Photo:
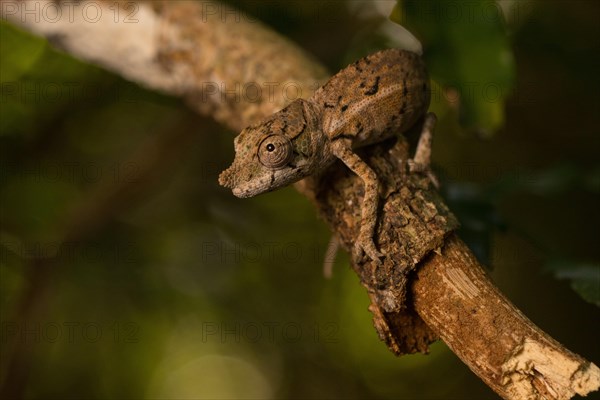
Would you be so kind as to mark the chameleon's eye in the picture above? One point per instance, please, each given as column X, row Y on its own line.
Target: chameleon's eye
column 275, row 151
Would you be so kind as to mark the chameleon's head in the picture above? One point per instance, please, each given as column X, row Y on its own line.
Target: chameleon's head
column 276, row 152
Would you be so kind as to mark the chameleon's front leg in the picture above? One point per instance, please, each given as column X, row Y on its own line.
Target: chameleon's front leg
column 343, row 151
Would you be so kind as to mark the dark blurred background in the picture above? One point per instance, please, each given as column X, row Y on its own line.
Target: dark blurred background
column 127, row 272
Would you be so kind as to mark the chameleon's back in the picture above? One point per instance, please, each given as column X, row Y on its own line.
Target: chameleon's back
column 376, row 97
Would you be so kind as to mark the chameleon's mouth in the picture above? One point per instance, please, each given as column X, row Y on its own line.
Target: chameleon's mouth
column 252, row 187
column 251, row 180
column 241, row 193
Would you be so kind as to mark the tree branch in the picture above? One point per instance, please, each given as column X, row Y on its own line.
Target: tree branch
column 430, row 284
column 204, row 52
column 514, row 357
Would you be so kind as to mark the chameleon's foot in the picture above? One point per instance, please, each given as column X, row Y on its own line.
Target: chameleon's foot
column 365, row 245
column 416, row 167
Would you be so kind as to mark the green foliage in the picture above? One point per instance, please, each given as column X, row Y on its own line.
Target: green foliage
column 20, row 52
column 467, row 49
column 476, row 206
column 39, row 83
column 552, row 182
column 178, row 274
column 478, row 216
column 584, row 277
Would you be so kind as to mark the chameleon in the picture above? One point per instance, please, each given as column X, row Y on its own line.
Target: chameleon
column 376, row 97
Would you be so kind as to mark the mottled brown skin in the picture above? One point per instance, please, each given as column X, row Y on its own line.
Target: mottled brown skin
column 376, row 97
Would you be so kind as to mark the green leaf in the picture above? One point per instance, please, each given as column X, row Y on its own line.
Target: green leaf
column 467, row 50
column 19, row 51
column 554, row 180
column 584, row 277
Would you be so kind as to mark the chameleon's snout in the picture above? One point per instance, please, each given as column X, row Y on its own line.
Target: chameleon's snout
column 226, row 178
column 248, row 180
column 232, row 178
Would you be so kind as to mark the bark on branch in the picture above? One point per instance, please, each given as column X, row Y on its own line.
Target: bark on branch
column 204, row 53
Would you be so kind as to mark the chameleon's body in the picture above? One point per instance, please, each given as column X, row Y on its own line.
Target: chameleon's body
column 376, row 97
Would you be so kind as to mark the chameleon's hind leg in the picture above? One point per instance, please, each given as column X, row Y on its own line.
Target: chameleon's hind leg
column 364, row 242
column 421, row 162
